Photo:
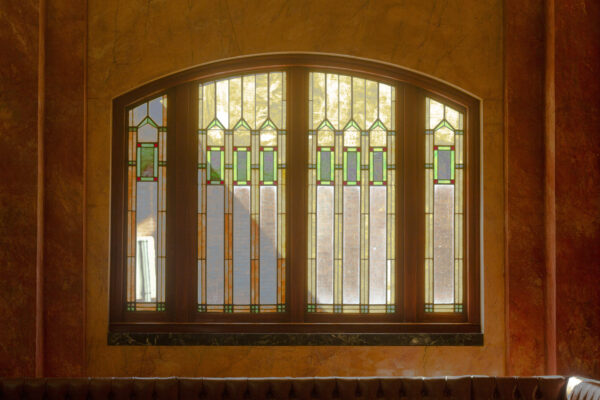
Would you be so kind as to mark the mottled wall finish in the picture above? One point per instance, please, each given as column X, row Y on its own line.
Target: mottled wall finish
column 524, row 170
column 577, row 66
column 64, row 133
column 18, row 146
column 133, row 42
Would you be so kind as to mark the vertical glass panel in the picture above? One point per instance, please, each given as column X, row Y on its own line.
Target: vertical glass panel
column 444, row 216
column 377, row 241
column 443, row 249
column 146, row 206
column 241, row 189
column 241, row 245
column 351, row 213
column 268, row 245
column 351, row 283
column 215, row 245
column 325, row 245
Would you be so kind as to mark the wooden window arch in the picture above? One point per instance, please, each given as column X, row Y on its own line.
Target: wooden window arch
column 424, row 160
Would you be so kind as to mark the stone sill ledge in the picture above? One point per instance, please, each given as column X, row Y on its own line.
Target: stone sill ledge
column 294, row 339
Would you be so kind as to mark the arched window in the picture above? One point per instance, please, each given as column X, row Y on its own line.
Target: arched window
column 294, row 194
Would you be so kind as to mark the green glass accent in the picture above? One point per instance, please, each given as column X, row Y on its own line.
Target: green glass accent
column 228, row 308
column 325, row 172
column 364, row 308
column 201, row 165
column 351, row 158
column 428, row 307
column 378, row 124
column 148, row 161
column 372, row 166
column 215, row 122
column 458, row 308
column 311, row 308
column 280, row 307
column 443, row 123
column 131, row 163
column 351, row 124
column 390, row 308
column 162, row 163
column 241, row 124
column 337, row 308
column 325, row 124
column 149, row 121
column 267, row 123
column 241, row 173
column 161, row 307
column 217, row 172
column 268, row 168
column 435, row 164
column 254, row 308
column 130, row 306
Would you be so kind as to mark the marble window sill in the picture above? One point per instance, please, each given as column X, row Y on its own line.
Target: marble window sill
column 294, row 339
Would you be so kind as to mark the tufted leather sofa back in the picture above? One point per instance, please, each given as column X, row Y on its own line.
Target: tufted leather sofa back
column 443, row 388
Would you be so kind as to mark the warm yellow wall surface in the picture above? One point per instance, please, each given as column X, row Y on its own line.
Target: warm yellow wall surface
column 133, row 41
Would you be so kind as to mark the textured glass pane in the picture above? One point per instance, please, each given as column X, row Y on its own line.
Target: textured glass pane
column 241, row 245
column 325, row 244
column 215, row 248
column 358, row 102
column 351, row 282
column 268, row 245
column 377, row 251
column 435, row 113
column 146, row 234
column 385, row 105
column 345, row 100
column 245, row 256
column 318, row 92
column 453, row 117
column 371, row 103
column 147, row 133
column 333, row 100
column 325, row 137
column 352, row 137
column 443, row 239
column 139, row 113
column 444, row 136
column 378, row 137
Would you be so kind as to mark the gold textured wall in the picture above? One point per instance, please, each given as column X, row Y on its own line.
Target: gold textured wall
column 132, row 42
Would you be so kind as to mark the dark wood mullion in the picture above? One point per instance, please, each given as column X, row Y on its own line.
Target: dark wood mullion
column 297, row 182
column 118, row 253
column 182, row 232
column 412, row 226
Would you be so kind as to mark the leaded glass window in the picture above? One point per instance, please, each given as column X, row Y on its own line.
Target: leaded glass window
column 351, row 204
column 146, row 206
column 241, row 194
column 444, row 215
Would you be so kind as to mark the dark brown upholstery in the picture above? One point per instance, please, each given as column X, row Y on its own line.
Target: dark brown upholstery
column 447, row 388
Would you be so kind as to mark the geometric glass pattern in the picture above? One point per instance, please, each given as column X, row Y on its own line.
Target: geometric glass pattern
column 444, row 205
column 146, row 206
column 351, row 195
column 241, row 194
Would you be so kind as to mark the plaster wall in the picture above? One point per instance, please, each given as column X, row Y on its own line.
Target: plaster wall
column 133, row 42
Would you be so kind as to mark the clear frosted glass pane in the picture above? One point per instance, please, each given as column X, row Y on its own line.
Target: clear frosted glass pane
column 333, row 100
column 351, row 281
column 377, row 245
column 146, row 234
column 215, row 249
column 262, row 98
column 268, row 137
column 345, row 100
column 268, row 245
column 372, row 102
column 223, row 102
column 443, row 248
column 435, row 113
column 156, row 110
column 444, row 136
column 352, row 137
column 385, row 105
column 358, row 102
column 241, row 137
column 208, row 104
column 453, row 117
column 139, row 113
column 325, row 137
column 235, row 101
column 147, row 133
column 249, row 100
column 241, row 245
column 275, row 98
column 325, row 244
column 216, row 137
column 318, row 90
column 378, row 137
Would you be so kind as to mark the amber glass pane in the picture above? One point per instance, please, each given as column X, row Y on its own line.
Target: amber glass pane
column 351, row 175
column 241, row 194
column 444, row 212
column 146, row 206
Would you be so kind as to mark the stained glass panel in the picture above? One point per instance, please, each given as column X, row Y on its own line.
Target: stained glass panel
column 241, row 194
column 351, row 196
column 146, row 206
column 444, row 212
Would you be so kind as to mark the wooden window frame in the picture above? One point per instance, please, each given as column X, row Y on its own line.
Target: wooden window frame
column 181, row 302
